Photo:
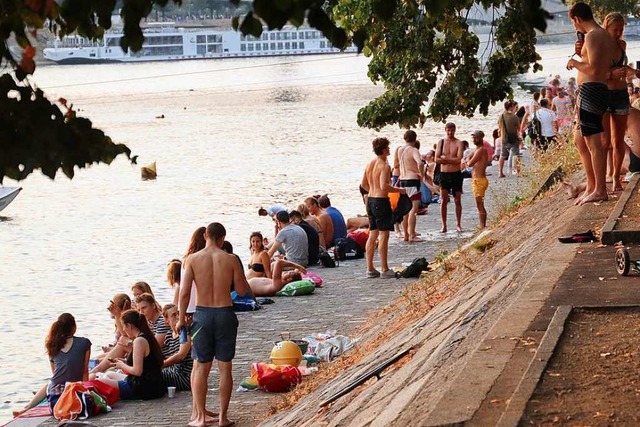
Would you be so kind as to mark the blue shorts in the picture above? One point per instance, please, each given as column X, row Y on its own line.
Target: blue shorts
column 213, row 334
column 126, row 392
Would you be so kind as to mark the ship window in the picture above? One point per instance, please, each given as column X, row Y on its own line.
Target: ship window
column 301, row 35
column 294, row 36
column 279, row 45
column 294, row 45
column 287, row 36
column 309, row 35
column 214, row 48
column 273, row 46
column 265, row 46
column 323, row 45
column 201, row 39
column 272, row 36
column 243, row 47
column 250, row 47
column 287, row 45
column 258, row 46
column 301, row 45
column 202, row 49
column 265, row 36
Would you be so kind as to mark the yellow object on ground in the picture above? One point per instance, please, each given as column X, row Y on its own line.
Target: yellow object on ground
column 286, row 353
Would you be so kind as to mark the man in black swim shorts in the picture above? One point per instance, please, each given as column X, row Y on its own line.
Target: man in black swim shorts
column 449, row 154
column 377, row 182
column 214, row 328
column 597, row 55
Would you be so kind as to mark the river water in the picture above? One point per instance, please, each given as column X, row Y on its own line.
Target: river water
column 236, row 135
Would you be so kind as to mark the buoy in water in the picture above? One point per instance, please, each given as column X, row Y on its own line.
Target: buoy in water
column 149, row 171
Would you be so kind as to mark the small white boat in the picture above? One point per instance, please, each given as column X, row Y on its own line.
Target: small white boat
column 7, row 194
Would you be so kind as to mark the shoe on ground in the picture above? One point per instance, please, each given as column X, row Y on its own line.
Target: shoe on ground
column 373, row 274
column 389, row 274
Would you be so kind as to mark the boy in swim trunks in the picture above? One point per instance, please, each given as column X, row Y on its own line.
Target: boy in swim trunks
column 407, row 160
column 449, row 156
column 215, row 326
column 478, row 161
column 597, row 55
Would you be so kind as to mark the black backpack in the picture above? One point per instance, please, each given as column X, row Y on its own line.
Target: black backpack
column 347, row 248
column 326, row 259
column 416, row 267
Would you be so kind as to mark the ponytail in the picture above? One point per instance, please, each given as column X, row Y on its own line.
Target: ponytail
column 60, row 330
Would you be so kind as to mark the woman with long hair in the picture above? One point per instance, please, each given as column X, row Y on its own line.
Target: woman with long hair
column 69, row 358
column 174, row 273
column 265, row 287
column 147, row 305
column 196, row 244
column 143, row 366
column 260, row 263
column 177, row 367
column 615, row 119
column 119, row 304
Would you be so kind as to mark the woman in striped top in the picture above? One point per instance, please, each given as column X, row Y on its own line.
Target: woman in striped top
column 176, row 370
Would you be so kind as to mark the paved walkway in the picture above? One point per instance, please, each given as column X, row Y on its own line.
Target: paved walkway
column 344, row 302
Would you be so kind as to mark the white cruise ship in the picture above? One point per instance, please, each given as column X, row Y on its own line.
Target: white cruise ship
column 173, row 44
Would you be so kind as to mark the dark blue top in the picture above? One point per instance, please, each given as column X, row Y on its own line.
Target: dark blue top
column 339, row 225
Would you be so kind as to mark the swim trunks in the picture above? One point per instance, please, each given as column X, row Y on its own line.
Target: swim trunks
column 411, row 183
column 451, row 181
column 213, row 334
column 593, row 99
column 479, row 186
column 379, row 213
column 619, row 102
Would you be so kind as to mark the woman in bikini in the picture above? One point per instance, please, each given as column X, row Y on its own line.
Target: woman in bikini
column 615, row 119
column 265, row 287
column 260, row 264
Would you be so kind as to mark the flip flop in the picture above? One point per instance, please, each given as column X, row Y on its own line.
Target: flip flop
column 587, row 236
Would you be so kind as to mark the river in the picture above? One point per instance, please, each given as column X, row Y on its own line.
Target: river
column 235, row 135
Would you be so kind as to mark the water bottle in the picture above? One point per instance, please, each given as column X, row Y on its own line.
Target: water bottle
column 183, row 335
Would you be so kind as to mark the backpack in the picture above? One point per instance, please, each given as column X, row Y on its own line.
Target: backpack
column 74, row 403
column 416, row 267
column 534, row 128
column 347, row 248
column 326, row 259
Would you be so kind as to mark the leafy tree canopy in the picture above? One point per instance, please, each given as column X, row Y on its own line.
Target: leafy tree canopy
column 421, row 51
column 601, row 8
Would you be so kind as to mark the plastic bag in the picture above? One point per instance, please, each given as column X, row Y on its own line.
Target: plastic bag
column 276, row 379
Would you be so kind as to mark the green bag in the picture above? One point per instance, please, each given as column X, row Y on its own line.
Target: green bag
column 300, row 287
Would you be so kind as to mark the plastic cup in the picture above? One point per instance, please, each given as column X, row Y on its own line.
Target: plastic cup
column 171, row 392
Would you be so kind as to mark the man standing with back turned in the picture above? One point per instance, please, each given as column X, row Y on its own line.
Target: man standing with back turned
column 215, row 325
column 593, row 96
column 377, row 182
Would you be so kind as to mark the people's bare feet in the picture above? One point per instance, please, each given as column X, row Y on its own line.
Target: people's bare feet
column 594, row 197
column 197, row 423
column 502, row 175
column 572, row 192
column 443, row 230
column 618, row 186
column 399, row 234
column 226, row 423
column 459, row 228
column 609, row 179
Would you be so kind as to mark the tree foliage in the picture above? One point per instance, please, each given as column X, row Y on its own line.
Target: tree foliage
column 601, row 8
column 421, row 51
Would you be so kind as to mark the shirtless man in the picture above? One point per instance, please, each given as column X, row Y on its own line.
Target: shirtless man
column 407, row 161
column 215, row 325
column 449, row 155
column 597, row 56
column 323, row 218
column 377, row 182
column 478, row 161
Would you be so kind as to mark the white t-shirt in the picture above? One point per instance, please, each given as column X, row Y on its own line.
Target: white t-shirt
column 547, row 117
column 191, row 308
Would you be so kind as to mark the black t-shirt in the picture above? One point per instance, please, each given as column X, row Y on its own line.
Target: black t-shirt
column 314, row 242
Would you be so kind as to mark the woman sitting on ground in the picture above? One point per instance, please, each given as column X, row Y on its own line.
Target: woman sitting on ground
column 176, row 371
column 147, row 306
column 174, row 272
column 118, row 305
column 69, row 358
column 143, row 366
column 265, row 287
column 260, row 263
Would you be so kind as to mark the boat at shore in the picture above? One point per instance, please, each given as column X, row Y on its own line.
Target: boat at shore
column 170, row 43
column 7, row 194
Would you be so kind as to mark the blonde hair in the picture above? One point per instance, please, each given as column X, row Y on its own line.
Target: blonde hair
column 612, row 18
column 142, row 286
column 173, row 272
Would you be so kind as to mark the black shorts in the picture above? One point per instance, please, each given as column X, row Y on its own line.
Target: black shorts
column 380, row 214
column 592, row 103
column 213, row 334
column 542, row 143
column 619, row 102
column 451, row 181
